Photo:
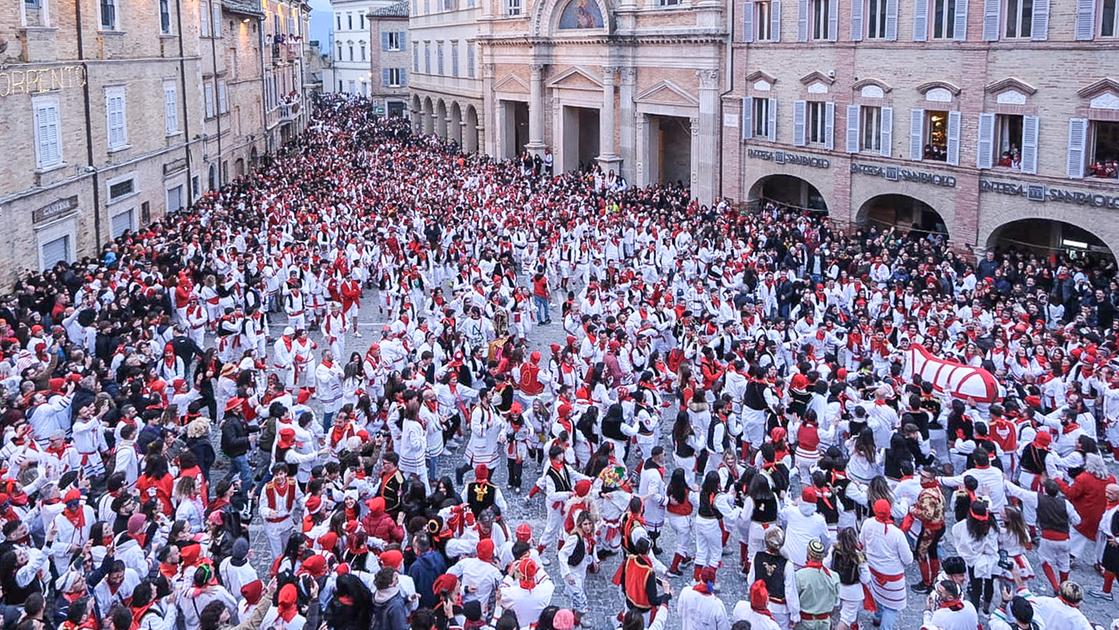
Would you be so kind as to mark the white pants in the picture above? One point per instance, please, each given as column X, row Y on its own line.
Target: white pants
column 1055, row 553
column 708, row 542
column 682, row 529
column 278, row 534
column 553, row 528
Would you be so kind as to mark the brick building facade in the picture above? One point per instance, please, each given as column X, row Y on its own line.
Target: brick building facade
column 392, row 55
column 118, row 113
column 995, row 121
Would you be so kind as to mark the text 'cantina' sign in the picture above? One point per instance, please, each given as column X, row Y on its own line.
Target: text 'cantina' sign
column 37, row 81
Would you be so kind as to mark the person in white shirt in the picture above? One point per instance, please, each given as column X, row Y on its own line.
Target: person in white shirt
column 699, row 608
column 756, row 609
column 479, row 575
column 887, row 555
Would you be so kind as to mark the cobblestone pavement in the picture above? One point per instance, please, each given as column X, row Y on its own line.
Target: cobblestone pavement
column 604, row 597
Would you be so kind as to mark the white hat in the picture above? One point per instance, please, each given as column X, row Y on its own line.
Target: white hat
column 289, row 331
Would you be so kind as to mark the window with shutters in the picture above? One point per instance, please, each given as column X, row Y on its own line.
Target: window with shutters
column 816, row 123
column 448, row 5
column 760, row 120
column 339, row 51
column 208, row 97
column 170, row 108
column 762, row 15
column 1008, row 141
column 870, row 124
column 115, row 118
column 165, row 17
column 53, row 252
column 427, row 57
column 1103, row 152
column 108, row 11
column 223, row 98
column 349, row 21
column 1019, row 18
column 35, row 13
column 121, row 222
column 1109, row 18
column 512, row 7
column 48, row 140
column 454, row 58
column 216, row 15
column 394, row 77
column 363, row 51
column 395, row 40
column 936, row 136
column 353, row 86
column 351, row 47
column 875, row 19
column 361, row 21
column 439, row 58
column 818, row 29
column 339, row 16
column 175, row 199
column 415, row 59
column 668, row 3
column 204, row 20
column 470, row 60
column 944, row 19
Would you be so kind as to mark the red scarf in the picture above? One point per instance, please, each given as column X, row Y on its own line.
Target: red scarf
column 76, row 517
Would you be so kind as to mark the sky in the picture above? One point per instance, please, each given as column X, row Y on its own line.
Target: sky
column 320, row 21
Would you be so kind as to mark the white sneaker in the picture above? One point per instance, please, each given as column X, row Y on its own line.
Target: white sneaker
column 1101, row 595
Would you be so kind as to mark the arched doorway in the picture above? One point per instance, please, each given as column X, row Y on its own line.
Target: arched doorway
column 454, row 127
column 1047, row 237
column 902, row 211
column 254, row 158
column 789, row 190
column 470, row 132
column 416, row 113
column 428, row 116
column 239, row 167
column 441, row 119
column 212, row 177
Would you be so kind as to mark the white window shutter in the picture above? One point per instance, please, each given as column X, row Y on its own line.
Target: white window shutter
column 856, row 20
column 747, row 117
column 886, row 134
column 772, row 119
column 1039, row 30
column 892, row 20
column 748, row 21
column 992, row 19
column 921, row 20
column 916, row 134
column 384, row 41
column 829, row 126
column 775, row 20
column 204, row 20
column 959, row 32
column 1085, row 20
column 852, row 128
column 1077, row 137
column 1030, row 128
column 216, row 9
column 798, row 123
column 954, row 138
column 984, row 155
column 833, row 20
column 802, row 22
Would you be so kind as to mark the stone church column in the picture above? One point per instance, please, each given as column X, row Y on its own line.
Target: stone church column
column 536, row 111
column 627, row 133
column 705, row 151
column 607, row 155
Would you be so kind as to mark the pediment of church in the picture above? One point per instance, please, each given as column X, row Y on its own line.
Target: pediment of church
column 667, row 93
column 511, row 83
column 575, row 79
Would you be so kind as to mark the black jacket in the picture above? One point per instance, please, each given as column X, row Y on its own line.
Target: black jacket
column 234, row 437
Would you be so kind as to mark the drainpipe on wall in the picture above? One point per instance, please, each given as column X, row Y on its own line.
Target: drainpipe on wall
column 729, row 81
column 89, row 132
column 217, row 90
column 186, row 110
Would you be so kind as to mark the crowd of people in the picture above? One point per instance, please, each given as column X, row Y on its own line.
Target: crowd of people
column 296, row 360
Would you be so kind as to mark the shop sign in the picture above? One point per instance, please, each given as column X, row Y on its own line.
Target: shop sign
column 54, row 209
column 784, row 157
column 40, row 80
column 1043, row 193
column 898, row 174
